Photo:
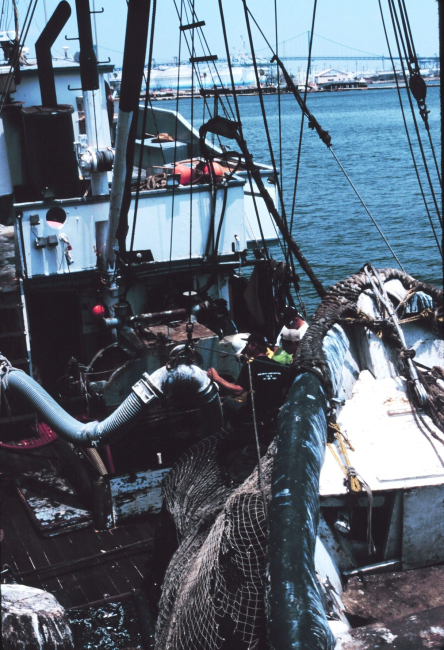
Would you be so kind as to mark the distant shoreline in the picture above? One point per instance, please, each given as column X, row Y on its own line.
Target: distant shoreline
column 251, row 92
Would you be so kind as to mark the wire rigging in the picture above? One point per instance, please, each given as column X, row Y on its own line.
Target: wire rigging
column 19, row 45
column 416, row 87
column 298, row 159
column 324, row 135
column 236, row 104
column 264, row 115
column 396, row 27
column 408, row 134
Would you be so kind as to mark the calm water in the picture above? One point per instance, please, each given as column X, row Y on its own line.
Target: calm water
column 330, row 225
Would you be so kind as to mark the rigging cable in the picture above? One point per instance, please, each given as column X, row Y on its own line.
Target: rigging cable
column 179, row 14
column 264, row 115
column 416, row 82
column 173, row 197
column 324, row 135
column 19, row 45
column 201, row 35
column 408, row 135
column 394, row 18
column 193, row 53
column 236, row 104
column 145, row 114
column 281, row 167
column 298, row 160
column 367, row 210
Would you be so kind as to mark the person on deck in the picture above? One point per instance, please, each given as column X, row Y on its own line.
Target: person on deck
column 268, row 378
column 294, row 321
column 290, row 339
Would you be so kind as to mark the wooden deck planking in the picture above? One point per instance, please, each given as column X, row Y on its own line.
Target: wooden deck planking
column 25, row 549
column 87, row 543
column 31, row 551
column 126, row 573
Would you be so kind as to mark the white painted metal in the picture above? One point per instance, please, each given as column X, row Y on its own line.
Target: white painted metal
column 98, row 136
column 428, row 346
column 162, row 215
column 78, row 229
column 390, row 452
column 139, row 495
column 255, row 209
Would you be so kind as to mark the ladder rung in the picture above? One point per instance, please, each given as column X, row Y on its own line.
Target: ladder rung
column 184, row 28
column 19, row 362
column 203, row 59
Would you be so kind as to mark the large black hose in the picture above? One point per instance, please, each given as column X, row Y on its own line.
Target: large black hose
column 183, row 381
column 297, row 617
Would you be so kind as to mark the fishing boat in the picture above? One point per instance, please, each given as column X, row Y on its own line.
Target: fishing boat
column 126, row 243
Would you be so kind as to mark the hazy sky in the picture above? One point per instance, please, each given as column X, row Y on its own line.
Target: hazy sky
column 355, row 23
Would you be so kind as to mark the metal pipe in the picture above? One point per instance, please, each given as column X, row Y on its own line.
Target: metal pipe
column 43, row 53
column 132, row 76
column 378, row 567
column 87, row 59
column 172, row 314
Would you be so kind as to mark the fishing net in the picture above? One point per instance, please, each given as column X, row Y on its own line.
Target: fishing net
column 213, row 592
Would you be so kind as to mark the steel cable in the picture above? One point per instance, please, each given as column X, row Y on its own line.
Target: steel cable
column 397, row 29
column 408, row 134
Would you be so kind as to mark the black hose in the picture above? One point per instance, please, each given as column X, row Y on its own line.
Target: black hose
column 297, row 617
column 180, row 382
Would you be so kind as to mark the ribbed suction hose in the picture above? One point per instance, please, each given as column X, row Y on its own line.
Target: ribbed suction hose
column 182, row 382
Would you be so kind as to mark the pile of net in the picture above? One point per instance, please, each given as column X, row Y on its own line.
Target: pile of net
column 213, row 594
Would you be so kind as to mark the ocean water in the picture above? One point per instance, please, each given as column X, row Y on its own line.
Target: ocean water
column 368, row 136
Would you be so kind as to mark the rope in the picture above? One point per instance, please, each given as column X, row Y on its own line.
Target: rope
column 256, row 435
column 367, row 210
column 298, row 160
column 238, row 118
column 404, row 352
column 264, row 115
column 354, row 482
column 416, row 82
column 394, row 18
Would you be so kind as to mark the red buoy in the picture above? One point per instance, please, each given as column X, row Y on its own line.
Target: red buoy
column 218, row 170
column 98, row 311
column 186, row 173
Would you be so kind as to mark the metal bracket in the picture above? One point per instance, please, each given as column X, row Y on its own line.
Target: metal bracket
column 143, row 391
column 72, row 89
column 76, row 38
column 97, row 12
column 109, row 59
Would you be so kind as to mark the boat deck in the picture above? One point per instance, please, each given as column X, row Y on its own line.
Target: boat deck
column 78, row 567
